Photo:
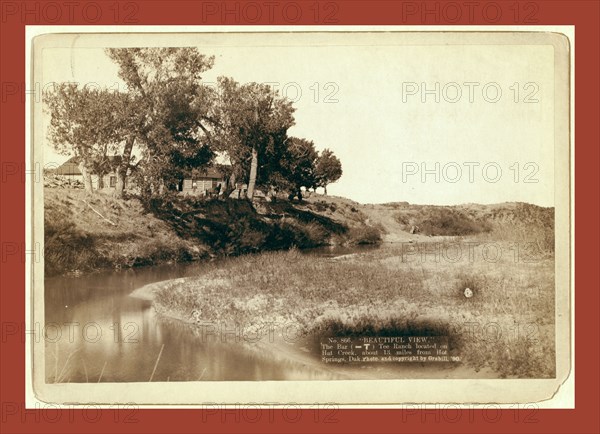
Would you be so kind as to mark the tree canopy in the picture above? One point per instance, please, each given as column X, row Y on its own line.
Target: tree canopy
column 251, row 123
column 166, row 83
column 82, row 122
column 328, row 169
column 180, row 125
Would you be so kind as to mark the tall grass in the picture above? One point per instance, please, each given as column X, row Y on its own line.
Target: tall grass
column 445, row 221
column 379, row 293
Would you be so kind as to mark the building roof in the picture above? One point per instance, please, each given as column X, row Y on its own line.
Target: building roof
column 212, row 172
column 71, row 166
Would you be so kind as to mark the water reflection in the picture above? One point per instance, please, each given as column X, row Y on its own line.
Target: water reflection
column 108, row 336
column 96, row 332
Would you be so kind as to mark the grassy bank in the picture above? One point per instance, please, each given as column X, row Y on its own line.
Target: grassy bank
column 85, row 233
column 123, row 234
column 504, row 255
column 507, row 325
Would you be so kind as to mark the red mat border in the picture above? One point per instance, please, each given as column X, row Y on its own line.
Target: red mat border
column 15, row 15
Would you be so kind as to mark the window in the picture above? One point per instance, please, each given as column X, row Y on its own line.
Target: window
column 112, row 181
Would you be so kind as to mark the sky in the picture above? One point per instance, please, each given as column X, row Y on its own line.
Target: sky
column 410, row 120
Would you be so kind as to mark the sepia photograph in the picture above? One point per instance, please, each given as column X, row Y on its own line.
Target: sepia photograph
column 302, row 216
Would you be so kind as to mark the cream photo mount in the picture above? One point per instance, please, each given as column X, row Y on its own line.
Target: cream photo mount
column 352, row 393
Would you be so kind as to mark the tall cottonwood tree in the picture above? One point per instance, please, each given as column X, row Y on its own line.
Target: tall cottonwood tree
column 328, row 169
column 82, row 122
column 179, row 125
column 172, row 107
column 251, row 122
column 298, row 165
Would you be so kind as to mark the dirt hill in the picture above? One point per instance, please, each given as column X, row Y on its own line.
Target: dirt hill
column 84, row 233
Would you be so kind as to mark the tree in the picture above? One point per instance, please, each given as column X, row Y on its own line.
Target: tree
column 168, row 119
column 82, row 122
column 299, row 165
column 251, row 123
column 328, row 169
column 102, row 166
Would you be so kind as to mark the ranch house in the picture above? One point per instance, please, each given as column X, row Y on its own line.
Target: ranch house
column 70, row 169
column 204, row 182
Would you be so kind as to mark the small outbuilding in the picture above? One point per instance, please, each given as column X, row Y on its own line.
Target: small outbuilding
column 70, row 169
column 204, row 182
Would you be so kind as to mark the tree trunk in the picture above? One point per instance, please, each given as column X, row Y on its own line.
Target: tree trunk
column 325, row 188
column 146, row 190
column 253, row 170
column 230, row 186
column 87, row 178
column 273, row 194
column 120, row 186
column 123, row 167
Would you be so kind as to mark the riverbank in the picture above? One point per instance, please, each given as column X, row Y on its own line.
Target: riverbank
column 505, row 325
column 87, row 233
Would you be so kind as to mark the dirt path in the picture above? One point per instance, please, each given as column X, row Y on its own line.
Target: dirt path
column 385, row 216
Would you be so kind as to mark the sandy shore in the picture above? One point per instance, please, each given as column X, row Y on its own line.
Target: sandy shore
column 148, row 292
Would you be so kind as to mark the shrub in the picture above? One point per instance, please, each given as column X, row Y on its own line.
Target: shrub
column 364, row 235
column 448, row 221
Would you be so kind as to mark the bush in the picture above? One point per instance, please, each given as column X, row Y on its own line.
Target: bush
column 449, row 222
column 322, row 206
column 293, row 234
column 364, row 235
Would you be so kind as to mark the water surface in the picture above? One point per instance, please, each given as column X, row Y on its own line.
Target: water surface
column 96, row 331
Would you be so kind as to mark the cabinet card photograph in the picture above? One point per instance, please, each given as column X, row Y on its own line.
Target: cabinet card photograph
column 351, row 216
